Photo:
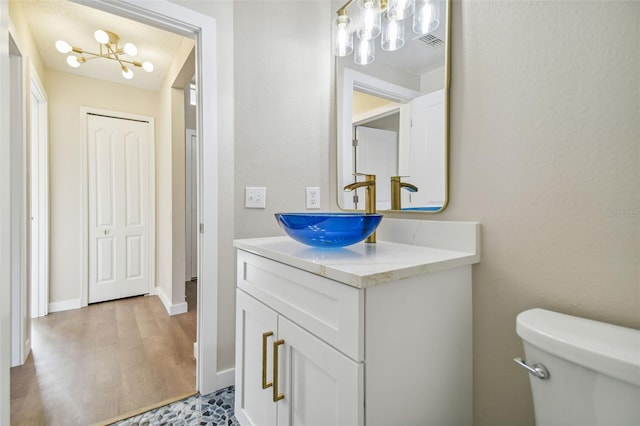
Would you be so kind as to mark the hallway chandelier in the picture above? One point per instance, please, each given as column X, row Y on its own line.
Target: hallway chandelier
column 109, row 49
column 385, row 18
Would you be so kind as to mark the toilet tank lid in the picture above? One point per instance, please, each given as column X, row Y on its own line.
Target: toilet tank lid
column 607, row 348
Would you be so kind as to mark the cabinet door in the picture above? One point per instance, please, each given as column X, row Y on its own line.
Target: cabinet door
column 321, row 386
column 253, row 404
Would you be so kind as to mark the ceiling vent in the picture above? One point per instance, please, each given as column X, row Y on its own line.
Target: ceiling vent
column 431, row 40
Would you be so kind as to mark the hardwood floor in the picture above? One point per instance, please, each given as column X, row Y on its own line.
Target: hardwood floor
column 92, row 364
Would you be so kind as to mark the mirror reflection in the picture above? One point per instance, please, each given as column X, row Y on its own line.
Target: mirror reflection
column 392, row 119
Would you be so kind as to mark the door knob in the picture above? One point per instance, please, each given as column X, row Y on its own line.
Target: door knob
column 106, row 231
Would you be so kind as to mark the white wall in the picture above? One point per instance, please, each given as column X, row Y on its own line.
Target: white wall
column 67, row 93
column 178, row 241
column 432, row 80
column 545, row 109
column 169, row 193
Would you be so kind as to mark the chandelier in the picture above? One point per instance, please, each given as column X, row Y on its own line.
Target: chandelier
column 109, row 49
column 388, row 19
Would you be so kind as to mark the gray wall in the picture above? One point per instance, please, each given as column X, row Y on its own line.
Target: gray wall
column 283, row 95
column 545, row 153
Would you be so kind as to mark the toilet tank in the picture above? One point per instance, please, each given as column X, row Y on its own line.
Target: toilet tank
column 594, row 369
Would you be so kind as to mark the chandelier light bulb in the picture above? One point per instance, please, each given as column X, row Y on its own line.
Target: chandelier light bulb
column 392, row 35
column 101, row 37
column 370, row 19
column 398, row 10
column 127, row 73
column 342, row 36
column 63, row 47
column 109, row 49
column 130, row 49
column 73, row 61
column 365, row 52
column 426, row 18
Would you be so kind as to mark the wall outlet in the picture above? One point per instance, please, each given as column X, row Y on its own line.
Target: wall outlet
column 313, row 197
column 255, row 197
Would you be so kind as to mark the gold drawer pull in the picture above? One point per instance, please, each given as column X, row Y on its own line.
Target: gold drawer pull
column 276, row 396
column 264, row 360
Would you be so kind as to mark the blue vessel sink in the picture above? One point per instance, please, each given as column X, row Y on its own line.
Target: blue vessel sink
column 328, row 229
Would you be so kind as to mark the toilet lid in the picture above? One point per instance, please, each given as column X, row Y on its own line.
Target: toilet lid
column 606, row 348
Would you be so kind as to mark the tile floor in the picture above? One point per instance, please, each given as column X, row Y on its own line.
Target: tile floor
column 207, row 410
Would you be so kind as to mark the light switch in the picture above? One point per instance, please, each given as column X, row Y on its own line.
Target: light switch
column 255, row 197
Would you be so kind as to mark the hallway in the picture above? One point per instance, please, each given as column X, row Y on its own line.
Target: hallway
column 93, row 364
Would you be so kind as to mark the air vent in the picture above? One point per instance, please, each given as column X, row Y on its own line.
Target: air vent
column 431, row 40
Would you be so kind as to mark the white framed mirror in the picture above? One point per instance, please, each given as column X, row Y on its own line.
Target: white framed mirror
column 392, row 120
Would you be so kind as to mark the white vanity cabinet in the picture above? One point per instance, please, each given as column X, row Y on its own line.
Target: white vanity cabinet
column 314, row 383
column 374, row 334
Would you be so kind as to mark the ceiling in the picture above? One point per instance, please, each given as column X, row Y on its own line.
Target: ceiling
column 52, row 20
column 417, row 56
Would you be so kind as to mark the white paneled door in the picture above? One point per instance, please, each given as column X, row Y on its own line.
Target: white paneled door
column 377, row 154
column 118, row 207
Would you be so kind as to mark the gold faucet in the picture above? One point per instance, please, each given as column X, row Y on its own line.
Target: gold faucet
column 370, row 198
column 396, row 186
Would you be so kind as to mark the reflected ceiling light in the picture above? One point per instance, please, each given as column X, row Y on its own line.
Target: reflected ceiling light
column 375, row 17
column 365, row 52
column 426, row 17
column 398, row 10
column 341, row 35
column 109, row 49
column 392, row 35
column 370, row 15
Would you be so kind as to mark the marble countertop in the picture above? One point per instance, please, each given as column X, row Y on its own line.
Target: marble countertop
column 360, row 265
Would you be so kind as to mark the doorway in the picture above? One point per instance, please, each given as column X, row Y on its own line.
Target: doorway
column 172, row 17
column 189, row 23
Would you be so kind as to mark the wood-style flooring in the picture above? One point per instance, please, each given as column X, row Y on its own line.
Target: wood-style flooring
column 96, row 363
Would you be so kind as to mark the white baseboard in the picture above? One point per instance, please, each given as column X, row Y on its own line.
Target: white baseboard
column 64, row 305
column 179, row 308
column 225, row 378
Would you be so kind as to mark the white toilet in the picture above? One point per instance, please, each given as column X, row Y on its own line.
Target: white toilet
column 583, row 372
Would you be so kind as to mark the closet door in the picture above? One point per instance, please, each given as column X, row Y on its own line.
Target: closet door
column 119, row 224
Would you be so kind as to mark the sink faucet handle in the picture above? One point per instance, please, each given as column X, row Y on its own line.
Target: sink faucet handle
column 396, row 186
column 367, row 176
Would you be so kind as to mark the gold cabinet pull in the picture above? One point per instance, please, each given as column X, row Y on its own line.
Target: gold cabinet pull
column 276, row 396
column 264, row 360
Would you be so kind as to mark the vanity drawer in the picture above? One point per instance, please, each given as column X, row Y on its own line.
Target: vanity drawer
column 332, row 311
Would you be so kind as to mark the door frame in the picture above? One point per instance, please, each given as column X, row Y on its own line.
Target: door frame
column 189, row 201
column 20, row 318
column 84, row 140
column 39, row 160
column 5, row 216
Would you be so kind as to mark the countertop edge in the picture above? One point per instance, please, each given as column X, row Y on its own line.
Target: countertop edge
column 455, row 259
